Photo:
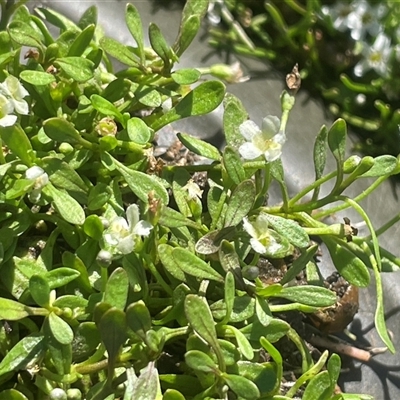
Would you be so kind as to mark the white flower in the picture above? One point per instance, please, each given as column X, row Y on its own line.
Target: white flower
column 267, row 141
column 40, row 179
column 261, row 240
column 375, row 57
column 339, row 14
column 364, row 19
column 13, row 89
column 193, row 189
column 122, row 234
column 6, row 108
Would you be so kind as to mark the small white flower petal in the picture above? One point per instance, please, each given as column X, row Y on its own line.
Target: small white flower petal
column 17, row 91
column 132, row 215
column 249, row 152
column 273, row 152
column 34, row 172
column 270, row 125
column 21, row 107
column 8, row 120
column 248, row 129
column 257, row 246
column 249, row 228
column 126, row 245
column 142, row 228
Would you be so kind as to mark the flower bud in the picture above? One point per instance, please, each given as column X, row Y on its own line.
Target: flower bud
column 106, row 127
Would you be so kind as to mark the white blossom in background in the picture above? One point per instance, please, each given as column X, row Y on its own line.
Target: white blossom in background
column 375, row 57
column 122, row 234
column 267, row 141
column 261, row 240
column 40, row 178
column 11, row 99
column 12, row 89
column 358, row 16
column 339, row 13
column 6, row 108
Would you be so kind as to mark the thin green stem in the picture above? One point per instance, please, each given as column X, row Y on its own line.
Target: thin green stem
column 357, row 199
column 311, row 187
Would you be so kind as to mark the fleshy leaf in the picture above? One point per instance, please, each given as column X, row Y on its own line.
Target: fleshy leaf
column 201, row 100
column 199, row 146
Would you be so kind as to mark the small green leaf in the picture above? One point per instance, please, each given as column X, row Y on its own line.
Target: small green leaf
column 299, row 264
column 242, row 342
column 337, row 144
column 242, row 386
column 229, row 293
column 119, row 51
column 233, row 165
column 160, row 45
column 346, row 262
column 40, row 290
column 146, row 387
column 55, row 18
column 234, row 115
column 63, row 176
column 78, row 68
column 37, row 78
column 240, row 203
column 148, row 96
column 26, row 351
column 134, row 23
column 82, row 41
column 171, row 394
column 201, row 100
column 190, row 264
column 320, row 148
column 112, row 328
column 61, row 131
column 116, row 291
column 12, row 394
column 174, row 219
column 165, row 254
column 383, row 165
column 318, row 387
column 93, row 227
column 70, row 301
column 67, row 206
column 192, row 14
column 200, row 318
column 104, row 107
column 142, row 184
column 24, row 34
column 309, row 295
column 98, row 196
column 18, row 142
column 138, row 318
column 186, row 76
column 60, row 330
column 334, row 368
column 243, row 308
column 89, row 17
column 200, row 361
column 199, row 147
column 11, row 310
column 138, row 131
column 290, row 229
column 59, row 277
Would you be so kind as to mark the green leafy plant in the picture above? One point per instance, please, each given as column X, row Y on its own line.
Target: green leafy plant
column 127, row 274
